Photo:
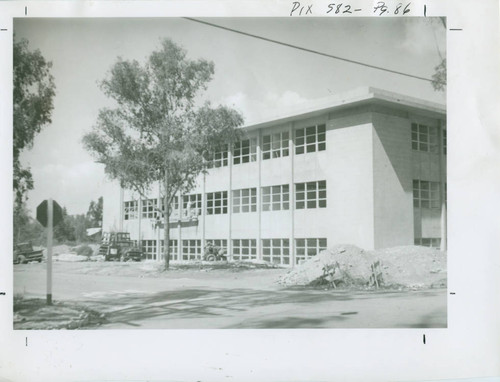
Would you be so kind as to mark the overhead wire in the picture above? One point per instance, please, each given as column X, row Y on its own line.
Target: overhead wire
column 308, row 50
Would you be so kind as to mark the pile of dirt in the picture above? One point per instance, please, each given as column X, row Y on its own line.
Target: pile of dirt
column 350, row 266
column 413, row 267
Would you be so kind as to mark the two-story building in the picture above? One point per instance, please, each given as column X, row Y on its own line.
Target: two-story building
column 366, row 168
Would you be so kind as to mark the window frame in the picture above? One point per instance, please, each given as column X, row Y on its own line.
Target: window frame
column 244, row 249
column 131, row 210
column 275, row 145
column 275, row 196
column 270, row 247
column 423, row 192
column 149, row 248
column 219, row 158
column 311, row 195
column 245, row 151
column 424, row 138
column 187, row 204
column 212, row 208
column 149, row 208
column 310, row 139
column 238, row 204
column 191, row 249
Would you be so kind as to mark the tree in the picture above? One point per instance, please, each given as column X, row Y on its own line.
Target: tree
column 26, row 228
column 64, row 231
column 94, row 213
column 34, row 91
column 157, row 134
column 439, row 76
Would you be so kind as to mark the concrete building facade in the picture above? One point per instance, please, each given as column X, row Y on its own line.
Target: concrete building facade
column 366, row 168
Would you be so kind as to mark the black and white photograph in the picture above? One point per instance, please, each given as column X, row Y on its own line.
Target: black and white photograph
column 249, row 193
column 230, row 173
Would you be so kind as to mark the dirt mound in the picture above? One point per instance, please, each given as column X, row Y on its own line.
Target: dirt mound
column 348, row 265
column 350, row 259
column 412, row 266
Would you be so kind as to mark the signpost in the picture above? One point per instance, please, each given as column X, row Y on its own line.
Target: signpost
column 49, row 213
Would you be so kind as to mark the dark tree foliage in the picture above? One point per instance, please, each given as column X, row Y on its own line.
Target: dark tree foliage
column 156, row 134
column 94, row 214
column 439, row 77
column 33, row 95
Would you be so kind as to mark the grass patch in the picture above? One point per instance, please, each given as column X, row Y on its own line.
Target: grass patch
column 34, row 313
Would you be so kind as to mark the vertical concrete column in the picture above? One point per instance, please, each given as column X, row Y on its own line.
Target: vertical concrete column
column 442, row 185
column 121, row 209
column 203, row 211
column 230, row 204
column 139, row 220
column 259, row 195
column 158, row 233
column 291, row 150
column 179, row 228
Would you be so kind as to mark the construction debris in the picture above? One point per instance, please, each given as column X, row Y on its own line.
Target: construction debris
column 348, row 266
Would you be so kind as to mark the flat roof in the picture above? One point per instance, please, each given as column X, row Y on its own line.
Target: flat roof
column 356, row 97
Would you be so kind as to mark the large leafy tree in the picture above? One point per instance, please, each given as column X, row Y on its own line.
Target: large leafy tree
column 156, row 134
column 34, row 91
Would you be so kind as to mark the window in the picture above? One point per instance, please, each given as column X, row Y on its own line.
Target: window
column 307, row 248
column 275, row 145
column 310, row 195
column 425, row 194
column 276, row 250
column 245, row 151
column 149, row 208
column 131, row 210
column 275, row 198
column 433, row 242
column 424, row 138
column 174, row 249
column 310, row 139
column 191, row 205
column 149, row 248
column 244, row 249
column 217, row 203
column 245, row 200
column 191, row 249
column 219, row 158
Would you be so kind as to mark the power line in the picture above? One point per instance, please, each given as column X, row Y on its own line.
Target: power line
column 308, row 50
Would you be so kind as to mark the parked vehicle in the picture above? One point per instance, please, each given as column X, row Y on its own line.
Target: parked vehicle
column 24, row 253
column 214, row 253
column 118, row 246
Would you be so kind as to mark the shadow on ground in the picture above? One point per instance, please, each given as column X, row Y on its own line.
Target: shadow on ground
column 212, row 303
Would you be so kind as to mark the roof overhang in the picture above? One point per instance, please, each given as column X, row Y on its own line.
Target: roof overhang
column 359, row 97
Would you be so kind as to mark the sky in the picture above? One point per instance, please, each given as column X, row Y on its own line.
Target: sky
column 256, row 77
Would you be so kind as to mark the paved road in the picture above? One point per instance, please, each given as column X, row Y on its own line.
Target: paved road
column 232, row 300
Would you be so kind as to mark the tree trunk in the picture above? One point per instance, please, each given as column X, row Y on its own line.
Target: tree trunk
column 166, row 225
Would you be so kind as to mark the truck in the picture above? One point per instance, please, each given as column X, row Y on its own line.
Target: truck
column 24, row 253
column 117, row 246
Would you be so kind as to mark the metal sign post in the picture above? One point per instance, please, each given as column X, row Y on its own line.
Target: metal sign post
column 50, row 235
column 49, row 214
